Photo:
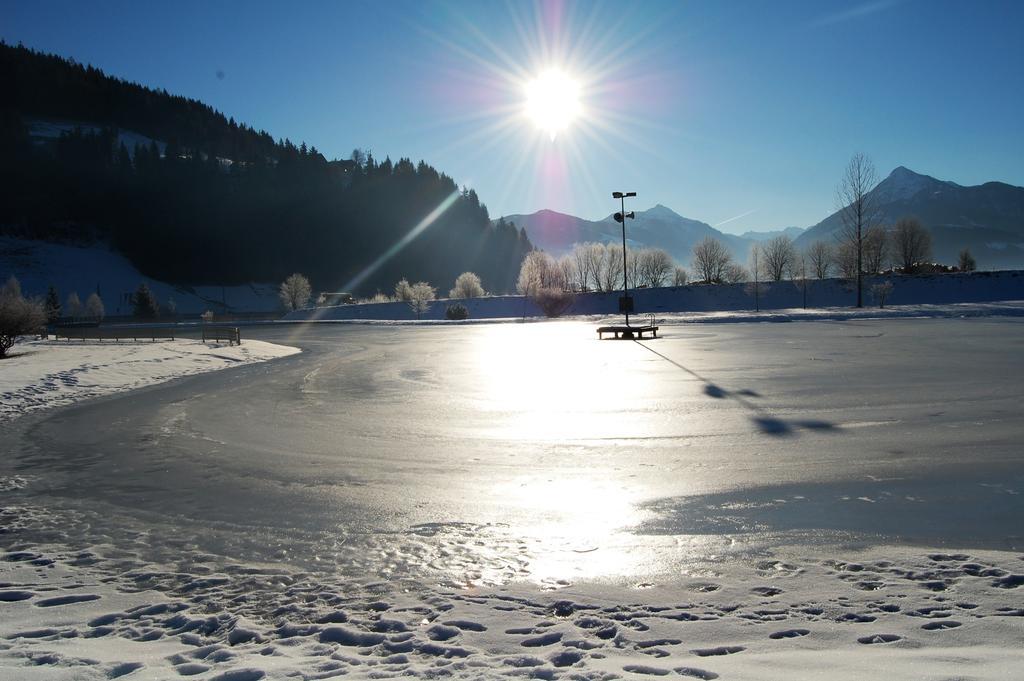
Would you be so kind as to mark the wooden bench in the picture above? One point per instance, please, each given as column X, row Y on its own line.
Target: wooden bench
column 222, row 333
column 627, row 332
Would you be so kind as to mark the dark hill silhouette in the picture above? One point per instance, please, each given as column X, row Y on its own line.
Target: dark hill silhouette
column 192, row 197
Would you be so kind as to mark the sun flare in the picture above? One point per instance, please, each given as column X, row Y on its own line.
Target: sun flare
column 553, row 101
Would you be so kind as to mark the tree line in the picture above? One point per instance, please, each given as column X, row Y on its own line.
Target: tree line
column 208, row 201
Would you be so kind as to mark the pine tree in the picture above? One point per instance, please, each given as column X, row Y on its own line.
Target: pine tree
column 52, row 305
column 144, row 305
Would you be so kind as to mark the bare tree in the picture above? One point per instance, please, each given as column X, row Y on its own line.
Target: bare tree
column 581, row 266
column 633, row 267
column 639, row 268
column 539, row 270
column 542, row 281
column 295, row 292
column 966, row 261
column 846, row 261
column 798, row 272
column 735, row 274
column 611, row 268
column 911, row 242
column 779, row 254
column 756, row 287
column 94, row 307
column 710, row 259
column 680, row 277
column 821, row 257
column 876, row 250
column 857, row 211
column 18, row 315
column 567, row 268
column 595, row 254
column 654, row 267
column 422, row 295
column 467, row 285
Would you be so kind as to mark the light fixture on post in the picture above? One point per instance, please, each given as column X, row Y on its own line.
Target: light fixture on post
column 625, row 302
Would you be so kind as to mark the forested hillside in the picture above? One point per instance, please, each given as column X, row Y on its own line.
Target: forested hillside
column 210, row 201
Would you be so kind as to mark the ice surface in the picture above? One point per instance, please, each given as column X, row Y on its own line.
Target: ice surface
column 737, row 501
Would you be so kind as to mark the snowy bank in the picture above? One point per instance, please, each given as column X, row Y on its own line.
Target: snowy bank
column 1009, row 308
column 84, row 269
column 939, row 289
column 48, row 373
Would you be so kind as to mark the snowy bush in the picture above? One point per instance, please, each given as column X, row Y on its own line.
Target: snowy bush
column 553, row 302
column 881, row 292
column 94, row 307
column 456, row 311
column 403, row 291
column 18, row 315
column 467, row 285
column 73, row 306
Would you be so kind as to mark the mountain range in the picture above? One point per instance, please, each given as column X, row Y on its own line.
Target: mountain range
column 988, row 219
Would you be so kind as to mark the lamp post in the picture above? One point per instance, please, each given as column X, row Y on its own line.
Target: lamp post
column 625, row 302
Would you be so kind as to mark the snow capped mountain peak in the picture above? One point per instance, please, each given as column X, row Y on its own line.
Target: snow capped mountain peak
column 660, row 212
column 903, row 184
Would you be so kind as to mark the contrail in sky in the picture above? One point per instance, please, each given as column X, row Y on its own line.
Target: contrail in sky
column 741, row 215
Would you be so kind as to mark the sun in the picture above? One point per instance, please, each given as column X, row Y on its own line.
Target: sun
column 553, row 101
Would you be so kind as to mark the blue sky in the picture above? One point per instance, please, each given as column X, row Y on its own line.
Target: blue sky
column 715, row 109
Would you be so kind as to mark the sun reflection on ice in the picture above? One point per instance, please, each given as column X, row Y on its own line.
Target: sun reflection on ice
column 553, row 383
column 579, row 521
column 550, row 385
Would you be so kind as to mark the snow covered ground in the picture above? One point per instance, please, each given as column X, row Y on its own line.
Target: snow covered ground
column 836, row 499
column 888, row 613
column 41, row 374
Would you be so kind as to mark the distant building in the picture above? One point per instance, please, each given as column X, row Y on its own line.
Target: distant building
column 326, row 299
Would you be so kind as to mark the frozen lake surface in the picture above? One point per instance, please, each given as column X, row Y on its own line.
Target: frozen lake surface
column 533, row 459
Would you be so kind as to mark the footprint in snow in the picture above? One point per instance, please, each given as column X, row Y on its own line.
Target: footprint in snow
column 720, row 650
column 66, row 600
column 940, row 625
column 789, row 633
column 696, row 673
column 878, row 638
column 644, row 669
